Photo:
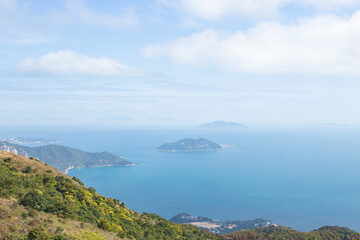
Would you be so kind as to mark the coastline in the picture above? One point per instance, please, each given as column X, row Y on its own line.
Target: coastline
column 126, row 165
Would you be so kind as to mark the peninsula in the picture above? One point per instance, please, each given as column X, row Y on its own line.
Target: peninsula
column 218, row 226
column 64, row 158
column 190, row 145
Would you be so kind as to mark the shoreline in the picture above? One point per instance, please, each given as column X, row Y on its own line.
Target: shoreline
column 126, row 165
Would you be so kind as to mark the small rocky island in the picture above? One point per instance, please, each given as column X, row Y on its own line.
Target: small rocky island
column 190, row 145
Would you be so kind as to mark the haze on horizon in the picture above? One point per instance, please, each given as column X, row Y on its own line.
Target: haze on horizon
column 273, row 62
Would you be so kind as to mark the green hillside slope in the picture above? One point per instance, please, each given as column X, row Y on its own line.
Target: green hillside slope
column 31, row 186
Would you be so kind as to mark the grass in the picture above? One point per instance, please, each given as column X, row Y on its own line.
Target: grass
column 17, row 221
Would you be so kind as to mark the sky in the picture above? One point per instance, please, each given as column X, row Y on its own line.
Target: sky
column 179, row 62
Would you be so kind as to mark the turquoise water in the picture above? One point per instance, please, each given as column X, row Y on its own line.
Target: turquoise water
column 302, row 179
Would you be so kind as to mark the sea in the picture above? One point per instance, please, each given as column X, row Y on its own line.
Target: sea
column 303, row 178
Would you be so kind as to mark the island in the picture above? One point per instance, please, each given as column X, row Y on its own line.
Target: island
column 190, row 145
column 218, row 226
column 222, row 124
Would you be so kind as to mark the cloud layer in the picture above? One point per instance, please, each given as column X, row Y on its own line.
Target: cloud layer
column 321, row 45
column 215, row 9
column 79, row 12
column 66, row 63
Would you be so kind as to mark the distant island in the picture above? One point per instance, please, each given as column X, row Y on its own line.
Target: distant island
column 190, row 145
column 217, row 226
column 222, row 124
column 23, row 140
column 64, row 158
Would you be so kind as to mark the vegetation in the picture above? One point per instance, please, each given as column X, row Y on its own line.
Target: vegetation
column 37, row 189
column 285, row 233
column 189, row 145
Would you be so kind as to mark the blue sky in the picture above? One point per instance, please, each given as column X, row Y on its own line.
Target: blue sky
column 119, row 63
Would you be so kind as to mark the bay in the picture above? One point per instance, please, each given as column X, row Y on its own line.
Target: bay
column 300, row 178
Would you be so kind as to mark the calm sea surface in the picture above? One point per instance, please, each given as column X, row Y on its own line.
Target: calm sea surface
column 303, row 179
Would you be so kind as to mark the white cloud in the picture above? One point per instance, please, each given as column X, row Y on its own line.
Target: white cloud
column 323, row 45
column 67, row 63
column 215, row 9
column 330, row 4
column 79, row 12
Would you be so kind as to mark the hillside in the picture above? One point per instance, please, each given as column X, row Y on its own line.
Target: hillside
column 37, row 199
column 62, row 157
column 190, row 145
column 286, row 233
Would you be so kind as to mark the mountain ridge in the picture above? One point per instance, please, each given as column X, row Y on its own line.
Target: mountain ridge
column 63, row 157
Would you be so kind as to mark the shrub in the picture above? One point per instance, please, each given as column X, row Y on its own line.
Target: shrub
column 121, row 234
column 15, row 236
column 7, row 159
column 27, row 169
column 24, row 215
column 15, row 204
column 92, row 190
column 39, row 233
column 62, row 236
column 104, row 224
column 35, row 200
column 59, row 230
column 13, row 169
column 77, row 180
column 32, row 213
